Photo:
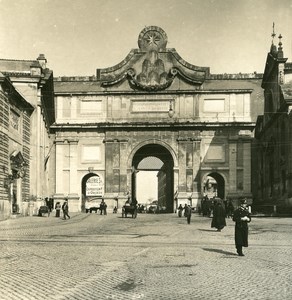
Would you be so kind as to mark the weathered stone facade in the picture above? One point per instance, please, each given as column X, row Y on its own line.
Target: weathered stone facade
column 15, row 132
column 154, row 103
column 31, row 141
column 272, row 187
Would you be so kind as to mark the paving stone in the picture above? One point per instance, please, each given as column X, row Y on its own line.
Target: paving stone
column 151, row 257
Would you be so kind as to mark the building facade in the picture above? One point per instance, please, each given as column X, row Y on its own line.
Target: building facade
column 272, row 187
column 14, row 150
column 32, row 141
column 154, row 104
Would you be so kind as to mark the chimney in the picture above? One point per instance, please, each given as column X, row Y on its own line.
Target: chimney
column 42, row 60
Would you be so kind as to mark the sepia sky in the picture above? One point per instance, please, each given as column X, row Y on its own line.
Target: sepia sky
column 78, row 36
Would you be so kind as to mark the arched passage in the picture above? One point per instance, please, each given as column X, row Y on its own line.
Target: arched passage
column 92, row 187
column 214, row 185
column 155, row 157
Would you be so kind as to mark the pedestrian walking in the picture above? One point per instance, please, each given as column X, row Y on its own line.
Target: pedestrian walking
column 58, row 209
column 180, row 209
column 188, row 213
column 218, row 219
column 65, row 209
column 241, row 217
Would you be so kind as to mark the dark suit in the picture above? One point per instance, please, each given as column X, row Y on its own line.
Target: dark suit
column 241, row 228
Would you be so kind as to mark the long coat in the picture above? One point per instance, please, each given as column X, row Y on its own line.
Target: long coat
column 218, row 219
column 241, row 227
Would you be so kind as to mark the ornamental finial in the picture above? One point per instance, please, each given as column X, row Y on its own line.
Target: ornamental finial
column 273, row 34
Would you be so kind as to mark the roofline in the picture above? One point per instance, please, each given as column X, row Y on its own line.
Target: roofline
column 162, row 125
column 106, row 92
column 25, row 103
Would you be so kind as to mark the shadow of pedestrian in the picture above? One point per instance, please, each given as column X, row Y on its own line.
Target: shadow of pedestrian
column 219, row 251
column 208, row 230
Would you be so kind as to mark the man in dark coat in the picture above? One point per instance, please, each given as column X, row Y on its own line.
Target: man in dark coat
column 188, row 213
column 218, row 219
column 65, row 209
column 241, row 217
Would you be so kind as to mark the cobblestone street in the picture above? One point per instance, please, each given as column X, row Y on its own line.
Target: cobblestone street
column 152, row 257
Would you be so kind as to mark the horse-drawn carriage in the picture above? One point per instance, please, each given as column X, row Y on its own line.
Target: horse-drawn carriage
column 44, row 210
column 129, row 209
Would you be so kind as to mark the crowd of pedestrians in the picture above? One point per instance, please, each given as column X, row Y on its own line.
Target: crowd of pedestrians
column 214, row 208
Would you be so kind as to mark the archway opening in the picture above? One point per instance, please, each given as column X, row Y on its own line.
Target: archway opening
column 92, row 190
column 214, row 186
column 152, row 177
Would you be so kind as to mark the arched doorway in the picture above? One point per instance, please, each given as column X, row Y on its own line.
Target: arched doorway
column 154, row 158
column 92, row 188
column 214, row 185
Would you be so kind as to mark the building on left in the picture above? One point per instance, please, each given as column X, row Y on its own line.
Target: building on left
column 26, row 113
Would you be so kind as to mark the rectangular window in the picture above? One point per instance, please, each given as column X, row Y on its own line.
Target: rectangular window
column 214, row 105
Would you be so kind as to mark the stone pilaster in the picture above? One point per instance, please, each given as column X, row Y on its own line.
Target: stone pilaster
column 247, row 168
column 232, row 166
column 59, row 167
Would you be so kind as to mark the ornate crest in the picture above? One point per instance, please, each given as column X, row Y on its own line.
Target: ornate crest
column 152, row 67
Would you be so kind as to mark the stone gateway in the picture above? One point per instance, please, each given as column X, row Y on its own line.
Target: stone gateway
column 154, row 105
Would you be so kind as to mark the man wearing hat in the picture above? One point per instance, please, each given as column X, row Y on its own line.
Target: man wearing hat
column 65, row 209
column 241, row 217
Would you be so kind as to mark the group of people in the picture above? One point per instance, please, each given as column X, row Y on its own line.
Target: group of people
column 207, row 207
column 187, row 212
column 241, row 216
column 64, row 207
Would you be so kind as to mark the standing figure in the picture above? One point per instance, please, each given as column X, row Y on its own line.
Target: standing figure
column 180, row 209
column 218, row 219
column 104, row 209
column 58, row 209
column 101, row 206
column 188, row 213
column 241, row 217
column 65, row 209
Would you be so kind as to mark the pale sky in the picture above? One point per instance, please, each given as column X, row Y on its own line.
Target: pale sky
column 79, row 36
column 147, row 186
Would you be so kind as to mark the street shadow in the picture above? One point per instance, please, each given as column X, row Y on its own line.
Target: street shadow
column 220, row 251
column 208, row 230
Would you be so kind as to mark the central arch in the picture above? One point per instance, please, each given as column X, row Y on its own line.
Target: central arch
column 155, row 157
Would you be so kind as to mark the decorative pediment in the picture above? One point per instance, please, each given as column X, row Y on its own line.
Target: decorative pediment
column 152, row 67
